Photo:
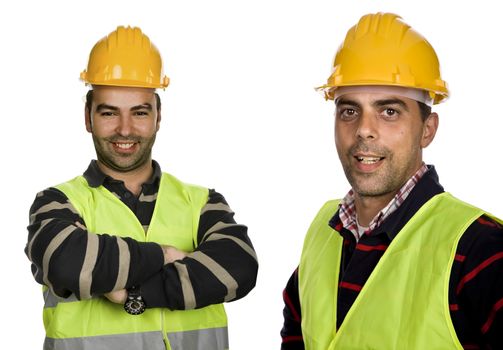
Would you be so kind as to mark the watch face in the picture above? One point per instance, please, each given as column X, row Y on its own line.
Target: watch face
column 134, row 306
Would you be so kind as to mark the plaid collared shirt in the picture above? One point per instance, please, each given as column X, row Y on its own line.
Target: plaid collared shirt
column 347, row 211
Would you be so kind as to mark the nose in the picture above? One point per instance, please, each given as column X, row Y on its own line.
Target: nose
column 124, row 125
column 367, row 126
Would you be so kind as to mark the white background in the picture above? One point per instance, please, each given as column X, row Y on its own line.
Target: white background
column 240, row 116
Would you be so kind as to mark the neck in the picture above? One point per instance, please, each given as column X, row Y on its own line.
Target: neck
column 132, row 179
column 368, row 207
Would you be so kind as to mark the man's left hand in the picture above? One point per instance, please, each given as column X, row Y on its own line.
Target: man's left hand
column 118, row 297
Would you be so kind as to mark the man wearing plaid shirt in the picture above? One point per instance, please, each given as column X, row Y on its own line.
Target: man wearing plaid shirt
column 398, row 263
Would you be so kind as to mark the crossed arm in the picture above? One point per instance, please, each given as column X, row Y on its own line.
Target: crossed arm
column 222, row 268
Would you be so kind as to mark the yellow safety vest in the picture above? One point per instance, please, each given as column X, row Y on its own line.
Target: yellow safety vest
column 404, row 303
column 97, row 323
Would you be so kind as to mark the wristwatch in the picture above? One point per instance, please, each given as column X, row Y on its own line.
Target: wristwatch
column 134, row 304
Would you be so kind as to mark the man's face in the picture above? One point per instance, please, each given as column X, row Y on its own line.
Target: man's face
column 379, row 139
column 124, row 122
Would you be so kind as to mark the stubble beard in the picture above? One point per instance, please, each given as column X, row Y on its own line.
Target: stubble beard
column 388, row 178
column 124, row 163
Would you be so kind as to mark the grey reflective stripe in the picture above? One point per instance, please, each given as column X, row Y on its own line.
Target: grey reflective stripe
column 51, row 300
column 130, row 341
column 200, row 339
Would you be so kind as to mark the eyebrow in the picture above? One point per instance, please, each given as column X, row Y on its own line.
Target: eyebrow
column 391, row 101
column 146, row 106
column 104, row 106
column 343, row 101
column 378, row 103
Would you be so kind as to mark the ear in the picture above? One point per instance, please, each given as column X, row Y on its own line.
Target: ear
column 430, row 127
column 158, row 124
column 88, row 121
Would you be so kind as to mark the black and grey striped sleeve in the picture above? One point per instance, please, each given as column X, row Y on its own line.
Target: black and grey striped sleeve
column 68, row 258
column 222, row 268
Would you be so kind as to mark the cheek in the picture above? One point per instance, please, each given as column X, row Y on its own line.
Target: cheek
column 104, row 128
column 342, row 133
column 147, row 129
column 402, row 141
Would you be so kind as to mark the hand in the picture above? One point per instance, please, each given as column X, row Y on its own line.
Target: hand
column 118, row 297
column 171, row 254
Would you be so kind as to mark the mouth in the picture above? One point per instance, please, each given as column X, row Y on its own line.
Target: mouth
column 124, row 147
column 368, row 159
column 368, row 163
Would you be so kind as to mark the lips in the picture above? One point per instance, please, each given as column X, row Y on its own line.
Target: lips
column 368, row 159
column 124, row 147
column 367, row 163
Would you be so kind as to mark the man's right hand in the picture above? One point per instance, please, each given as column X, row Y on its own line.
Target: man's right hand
column 171, row 254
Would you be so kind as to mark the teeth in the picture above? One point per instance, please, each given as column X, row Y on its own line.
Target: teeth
column 124, row 145
column 368, row 160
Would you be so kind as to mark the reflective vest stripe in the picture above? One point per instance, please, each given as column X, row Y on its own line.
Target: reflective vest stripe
column 201, row 339
column 129, row 341
column 51, row 300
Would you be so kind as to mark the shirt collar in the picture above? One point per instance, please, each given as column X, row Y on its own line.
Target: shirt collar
column 95, row 177
column 427, row 187
column 346, row 216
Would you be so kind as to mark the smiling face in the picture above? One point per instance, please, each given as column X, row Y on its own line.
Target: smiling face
column 124, row 122
column 379, row 139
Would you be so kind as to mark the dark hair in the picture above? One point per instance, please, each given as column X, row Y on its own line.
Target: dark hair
column 89, row 101
column 424, row 110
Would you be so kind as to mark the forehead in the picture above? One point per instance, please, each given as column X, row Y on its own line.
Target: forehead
column 418, row 95
column 374, row 99
column 118, row 95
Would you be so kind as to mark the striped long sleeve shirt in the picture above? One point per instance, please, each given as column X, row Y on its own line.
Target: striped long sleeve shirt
column 475, row 285
column 222, row 268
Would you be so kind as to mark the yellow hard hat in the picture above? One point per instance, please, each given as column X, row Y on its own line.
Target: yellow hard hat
column 126, row 57
column 383, row 50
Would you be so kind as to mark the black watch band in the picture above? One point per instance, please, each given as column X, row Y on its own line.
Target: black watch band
column 134, row 304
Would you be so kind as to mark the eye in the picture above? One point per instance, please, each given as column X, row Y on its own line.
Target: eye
column 107, row 114
column 390, row 113
column 141, row 113
column 347, row 113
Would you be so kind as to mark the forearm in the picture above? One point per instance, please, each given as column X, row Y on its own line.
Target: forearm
column 222, row 268
column 476, row 287
column 291, row 333
column 201, row 279
column 69, row 259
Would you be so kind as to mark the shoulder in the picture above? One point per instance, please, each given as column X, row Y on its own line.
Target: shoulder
column 483, row 238
column 48, row 196
column 51, row 203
